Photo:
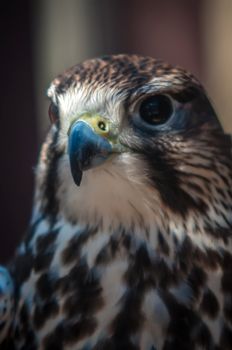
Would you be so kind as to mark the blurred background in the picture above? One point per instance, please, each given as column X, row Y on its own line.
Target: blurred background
column 40, row 38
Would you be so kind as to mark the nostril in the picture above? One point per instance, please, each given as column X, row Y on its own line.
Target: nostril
column 102, row 125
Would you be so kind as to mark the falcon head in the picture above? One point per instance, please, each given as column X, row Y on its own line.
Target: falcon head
column 134, row 140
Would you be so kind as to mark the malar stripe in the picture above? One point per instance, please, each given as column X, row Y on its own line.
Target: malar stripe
column 50, row 206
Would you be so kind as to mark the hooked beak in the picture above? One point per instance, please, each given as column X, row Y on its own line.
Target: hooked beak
column 89, row 145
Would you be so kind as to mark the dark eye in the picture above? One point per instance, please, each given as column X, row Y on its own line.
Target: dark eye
column 53, row 113
column 156, row 110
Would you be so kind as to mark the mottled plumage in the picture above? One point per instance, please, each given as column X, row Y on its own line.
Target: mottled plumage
column 129, row 245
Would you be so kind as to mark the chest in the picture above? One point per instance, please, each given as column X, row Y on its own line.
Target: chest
column 86, row 288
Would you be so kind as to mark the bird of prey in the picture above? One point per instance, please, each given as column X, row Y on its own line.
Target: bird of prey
column 130, row 241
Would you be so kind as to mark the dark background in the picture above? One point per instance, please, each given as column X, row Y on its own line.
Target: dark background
column 18, row 141
column 178, row 31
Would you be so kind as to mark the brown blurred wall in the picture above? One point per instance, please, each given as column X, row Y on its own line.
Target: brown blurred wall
column 18, row 141
column 217, row 44
column 65, row 35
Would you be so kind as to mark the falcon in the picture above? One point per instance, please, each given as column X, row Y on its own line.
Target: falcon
column 129, row 245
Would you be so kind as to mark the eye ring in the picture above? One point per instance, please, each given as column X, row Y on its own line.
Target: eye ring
column 155, row 110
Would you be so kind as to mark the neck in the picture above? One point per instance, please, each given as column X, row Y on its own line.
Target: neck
column 115, row 206
column 113, row 198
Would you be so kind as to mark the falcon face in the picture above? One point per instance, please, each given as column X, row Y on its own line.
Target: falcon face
column 129, row 245
column 134, row 132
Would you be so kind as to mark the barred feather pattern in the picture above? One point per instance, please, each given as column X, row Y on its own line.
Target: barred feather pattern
column 140, row 256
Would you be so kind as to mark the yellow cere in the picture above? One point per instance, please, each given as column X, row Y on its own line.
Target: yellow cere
column 102, row 127
column 99, row 124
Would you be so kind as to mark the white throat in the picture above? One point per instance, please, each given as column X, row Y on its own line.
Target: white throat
column 108, row 195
